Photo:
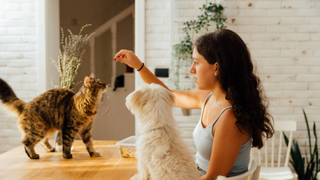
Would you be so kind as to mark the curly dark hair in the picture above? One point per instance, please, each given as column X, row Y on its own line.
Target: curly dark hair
column 237, row 79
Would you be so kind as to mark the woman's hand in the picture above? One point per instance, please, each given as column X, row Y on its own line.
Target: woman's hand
column 129, row 58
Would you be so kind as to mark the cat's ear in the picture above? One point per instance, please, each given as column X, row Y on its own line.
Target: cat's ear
column 91, row 75
column 87, row 81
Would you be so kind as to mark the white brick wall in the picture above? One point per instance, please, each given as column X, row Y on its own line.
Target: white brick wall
column 283, row 37
column 18, row 60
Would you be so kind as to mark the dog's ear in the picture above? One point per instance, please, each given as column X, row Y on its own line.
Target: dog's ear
column 137, row 99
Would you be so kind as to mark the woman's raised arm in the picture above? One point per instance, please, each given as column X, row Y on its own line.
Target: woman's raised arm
column 191, row 99
column 129, row 58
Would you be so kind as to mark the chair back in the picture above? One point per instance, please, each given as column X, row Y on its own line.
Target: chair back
column 279, row 127
column 251, row 174
column 256, row 173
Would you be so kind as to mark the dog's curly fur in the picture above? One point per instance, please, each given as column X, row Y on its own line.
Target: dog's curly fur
column 161, row 152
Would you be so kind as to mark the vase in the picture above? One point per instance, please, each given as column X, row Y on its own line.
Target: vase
column 185, row 112
column 58, row 142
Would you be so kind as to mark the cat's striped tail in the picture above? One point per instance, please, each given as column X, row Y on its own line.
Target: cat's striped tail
column 9, row 99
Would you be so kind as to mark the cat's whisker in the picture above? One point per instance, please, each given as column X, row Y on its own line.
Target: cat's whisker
column 109, row 93
column 109, row 107
column 103, row 96
column 109, row 90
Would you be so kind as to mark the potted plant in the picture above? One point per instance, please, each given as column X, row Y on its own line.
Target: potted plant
column 298, row 161
column 182, row 52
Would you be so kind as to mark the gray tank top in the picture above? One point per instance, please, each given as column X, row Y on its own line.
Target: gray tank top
column 203, row 140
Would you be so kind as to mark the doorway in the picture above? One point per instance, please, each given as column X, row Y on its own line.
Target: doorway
column 112, row 22
column 49, row 31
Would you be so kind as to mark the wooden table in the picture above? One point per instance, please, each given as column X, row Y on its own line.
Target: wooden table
column 15, row 164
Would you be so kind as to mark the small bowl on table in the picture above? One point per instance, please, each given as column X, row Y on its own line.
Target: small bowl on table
column 127, row 147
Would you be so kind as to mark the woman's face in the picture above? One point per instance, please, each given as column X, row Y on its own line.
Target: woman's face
column 203, row 72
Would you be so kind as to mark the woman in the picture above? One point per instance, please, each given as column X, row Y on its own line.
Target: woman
column 234, row 115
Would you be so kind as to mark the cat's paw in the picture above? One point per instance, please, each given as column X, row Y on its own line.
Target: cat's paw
column 67, row 155
column 51, row 150
column 94, row 154
column 47, row 147
column 31, row 156
column 34, row 156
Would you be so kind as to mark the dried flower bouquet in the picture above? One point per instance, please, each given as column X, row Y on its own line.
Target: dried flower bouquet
column 69, row 58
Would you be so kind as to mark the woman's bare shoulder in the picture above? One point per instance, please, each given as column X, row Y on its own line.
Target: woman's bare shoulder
column 227, row 124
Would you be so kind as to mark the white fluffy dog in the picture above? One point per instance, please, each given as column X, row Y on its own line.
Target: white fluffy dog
column 161, row 153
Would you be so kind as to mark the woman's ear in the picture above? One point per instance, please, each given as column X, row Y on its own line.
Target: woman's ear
column 216, row 72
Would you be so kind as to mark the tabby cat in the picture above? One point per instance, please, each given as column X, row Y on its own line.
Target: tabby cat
column 58, row 109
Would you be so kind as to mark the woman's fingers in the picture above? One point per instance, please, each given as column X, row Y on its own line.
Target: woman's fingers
column 128, row 57
column 118, row 55
column 121, row 54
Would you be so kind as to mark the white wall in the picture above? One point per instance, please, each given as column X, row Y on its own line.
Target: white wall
column 18, row 60
column 283, row 37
